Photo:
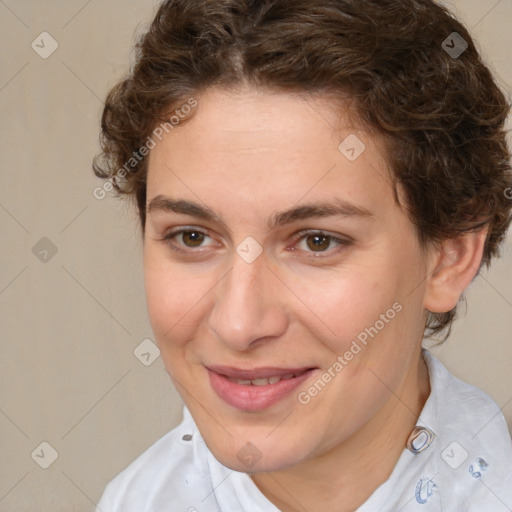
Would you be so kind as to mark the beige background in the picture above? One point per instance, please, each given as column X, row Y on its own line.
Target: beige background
column 69, row 325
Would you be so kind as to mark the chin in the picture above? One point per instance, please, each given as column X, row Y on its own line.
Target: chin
column 257, row 456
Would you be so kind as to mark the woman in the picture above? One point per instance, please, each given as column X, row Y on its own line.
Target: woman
column 318, row 182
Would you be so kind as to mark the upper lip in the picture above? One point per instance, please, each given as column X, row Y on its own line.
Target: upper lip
column 256, row 373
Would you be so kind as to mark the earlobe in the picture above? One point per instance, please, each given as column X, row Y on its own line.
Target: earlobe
column 454, row 264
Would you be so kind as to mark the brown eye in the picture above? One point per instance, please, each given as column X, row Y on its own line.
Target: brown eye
column 318, row 243
column 188, row 241
column 192, row 238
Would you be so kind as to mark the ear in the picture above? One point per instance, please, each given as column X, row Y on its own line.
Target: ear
column 454, row 263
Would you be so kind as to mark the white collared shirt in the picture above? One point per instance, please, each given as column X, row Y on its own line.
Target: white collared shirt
column 467, row 467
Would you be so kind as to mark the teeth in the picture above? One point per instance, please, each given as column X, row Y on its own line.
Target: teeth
column 263, row 381
column 259, row 382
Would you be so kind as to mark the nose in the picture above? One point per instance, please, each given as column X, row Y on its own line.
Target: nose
column 247, row 306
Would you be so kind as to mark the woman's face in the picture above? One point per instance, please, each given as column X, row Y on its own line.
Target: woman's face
column 274, row 247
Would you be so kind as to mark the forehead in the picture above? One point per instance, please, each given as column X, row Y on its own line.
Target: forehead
column 238, row 115
column 260, row 148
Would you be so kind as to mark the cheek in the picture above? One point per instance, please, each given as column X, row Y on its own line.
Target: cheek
column 341, row 306
column 173, row 300
column 366, row 314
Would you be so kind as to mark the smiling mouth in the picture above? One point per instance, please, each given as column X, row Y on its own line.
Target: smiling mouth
column 256, row 389
column 264, row 381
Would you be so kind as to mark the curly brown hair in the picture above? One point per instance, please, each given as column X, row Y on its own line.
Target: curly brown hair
column 412, row 80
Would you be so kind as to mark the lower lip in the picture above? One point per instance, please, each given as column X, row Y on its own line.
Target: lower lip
column 254, row 398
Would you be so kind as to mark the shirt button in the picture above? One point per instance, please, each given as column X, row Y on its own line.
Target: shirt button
column 420, row 439
column 186, row 437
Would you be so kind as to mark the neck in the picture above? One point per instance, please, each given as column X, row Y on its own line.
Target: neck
column 345, row 477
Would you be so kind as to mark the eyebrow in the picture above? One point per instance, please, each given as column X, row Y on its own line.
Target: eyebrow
column 335, row 208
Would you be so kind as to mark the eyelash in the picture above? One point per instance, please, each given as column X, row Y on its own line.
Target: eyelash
column 302, row 235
